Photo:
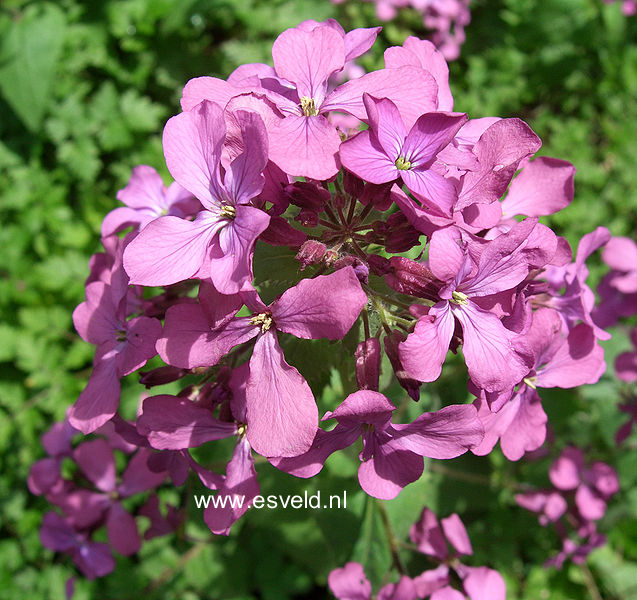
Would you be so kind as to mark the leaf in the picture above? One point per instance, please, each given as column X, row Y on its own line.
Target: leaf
column 312, row 358
column 28, row 56
column 275, row 270
column 372, row 547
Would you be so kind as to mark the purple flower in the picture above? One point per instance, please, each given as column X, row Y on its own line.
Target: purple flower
column 294, row 96
column 593, row 485
column 560, row 359
column 94, row 559
column 350, row 583
column 472, row 273
column 387, row 151
column 392, row 453
column 479, row 583
column 219, row 243
column 146, row 198
column 282, row 417
column 123, row 346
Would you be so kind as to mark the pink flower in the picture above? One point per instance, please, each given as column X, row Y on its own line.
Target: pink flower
column 387, row 152
column 219, row 243
column 282, row 417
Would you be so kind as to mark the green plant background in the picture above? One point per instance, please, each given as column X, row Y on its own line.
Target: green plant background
column 85, row 88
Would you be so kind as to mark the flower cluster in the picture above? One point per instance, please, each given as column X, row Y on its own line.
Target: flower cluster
column 432, row 538
column 578, row 499
column 91, row 498
column 446, row 19
column 416, row 236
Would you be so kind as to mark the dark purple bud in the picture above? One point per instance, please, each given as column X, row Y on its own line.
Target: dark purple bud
column 412, row 278
column 360, row 268
column 391, row 348
column 281, row 233
column 377, row 195
column 307, row 218
column 353, row 185
column 311, row 253
column 339, row 201
column 379, row 264
column 400, row 235
column 161, row 376
column 368, row 364
column 307, row 195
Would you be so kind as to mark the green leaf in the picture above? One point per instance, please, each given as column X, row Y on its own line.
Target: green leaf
column 28, row 56
column 275, row 270
column 372, row 547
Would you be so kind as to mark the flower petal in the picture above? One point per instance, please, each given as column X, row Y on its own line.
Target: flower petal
column 308, row 58
column 170, row 249
column 322, row 307
column 281, row 411
column 176, row 423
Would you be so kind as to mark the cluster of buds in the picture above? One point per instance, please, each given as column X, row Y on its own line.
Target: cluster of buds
column 408, row 241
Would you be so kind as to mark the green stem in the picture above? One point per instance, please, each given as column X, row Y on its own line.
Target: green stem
column 391, row 538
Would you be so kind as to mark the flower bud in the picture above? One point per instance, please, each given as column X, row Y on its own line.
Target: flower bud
column 311, row 253
column 377, row 195
column 391, row 349
column 412, row 278
column 379, row 264
column 353, row 185
column 307, row 218
column 360, row 268
column 281, row 233
column 368, row 364
column 307, row 195
column 161, row 376
column 400, row 235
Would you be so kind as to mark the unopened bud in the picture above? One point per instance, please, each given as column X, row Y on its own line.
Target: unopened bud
column 361, row 270
column 311, row 253
column 391, row 349
column 353, row 185
column 379, row 264
column 368, row 364
column 412, row 278
column 377, row 195
column 307, row 195
column 307, row 218
column 161, row 376
column 281, row 233
column 400, row 236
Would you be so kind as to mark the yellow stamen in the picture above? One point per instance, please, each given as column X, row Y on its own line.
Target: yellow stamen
column 459, row 298
column 229, row 212
column 531, row 381
column 308, row 107
column 402, row 164
column 263, row 320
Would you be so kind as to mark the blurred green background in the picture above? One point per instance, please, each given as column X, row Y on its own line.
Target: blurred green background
column 85, row 88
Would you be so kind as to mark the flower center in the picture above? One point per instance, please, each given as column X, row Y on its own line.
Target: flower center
column 459, row 298
column 308, row 107
column 120, row 335
column 402, row 164
column 229, row 212
column 263, row 320
column 530, row 381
